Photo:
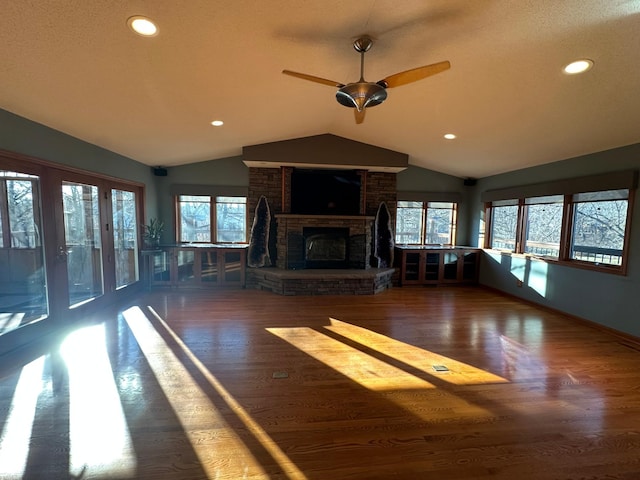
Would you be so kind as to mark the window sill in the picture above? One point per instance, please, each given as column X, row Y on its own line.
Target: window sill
column 595, row 267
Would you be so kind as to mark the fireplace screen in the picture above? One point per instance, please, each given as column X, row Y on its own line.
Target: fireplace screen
column 326, row 248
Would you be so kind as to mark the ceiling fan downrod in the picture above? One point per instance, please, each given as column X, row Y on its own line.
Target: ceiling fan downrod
column 361, row 94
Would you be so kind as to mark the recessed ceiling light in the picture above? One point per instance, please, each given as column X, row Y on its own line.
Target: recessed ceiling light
column 217, row 123
column 449, row 136
column 578, row 66
column 142, row 26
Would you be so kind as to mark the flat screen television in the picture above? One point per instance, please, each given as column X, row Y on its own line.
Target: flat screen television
column 325, row 192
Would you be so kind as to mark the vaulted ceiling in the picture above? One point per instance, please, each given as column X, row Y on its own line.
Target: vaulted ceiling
column 75, row 66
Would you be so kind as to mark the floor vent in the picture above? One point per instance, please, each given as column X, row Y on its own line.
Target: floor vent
column 440, row 368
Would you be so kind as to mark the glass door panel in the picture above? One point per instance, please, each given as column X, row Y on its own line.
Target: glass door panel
column 23, row 287
column 186, row 265
column 450, row 266
column 432, row 267
column 83, row 244
column 209, row 265
column 125, row 237
column 233, row 267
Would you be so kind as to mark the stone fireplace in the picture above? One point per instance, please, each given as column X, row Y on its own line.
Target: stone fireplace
column 323, row 243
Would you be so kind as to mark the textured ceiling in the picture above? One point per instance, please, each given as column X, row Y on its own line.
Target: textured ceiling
column 74, row 65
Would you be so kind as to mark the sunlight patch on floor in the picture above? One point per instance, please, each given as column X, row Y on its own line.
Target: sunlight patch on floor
column 359, row 367
column 100, row 441
column 415, row 357
column 410, row 392
column 288, row 467
column 16, row 434
column 221, row 452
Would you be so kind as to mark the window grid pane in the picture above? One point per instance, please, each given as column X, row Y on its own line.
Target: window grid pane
column 544, row 227
column 231, row 214
column 440, row 221
column 503, row 231
column 21, row 209
column 409, row 223
column 599, row 231
column 125, row 238
column 195, row 218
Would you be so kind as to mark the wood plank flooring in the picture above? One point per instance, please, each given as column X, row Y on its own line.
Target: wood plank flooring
column 243, row 384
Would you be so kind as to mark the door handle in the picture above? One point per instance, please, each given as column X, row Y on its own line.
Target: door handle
column 62, row 254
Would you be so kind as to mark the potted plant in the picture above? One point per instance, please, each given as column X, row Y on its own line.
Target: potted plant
column 152, row 232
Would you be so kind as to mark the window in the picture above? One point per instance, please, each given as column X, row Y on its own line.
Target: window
column 504, row 225
column 425, row 223
column 599, row 226
column 125, row 238
column 198, row 213
column 409, row 222
column 19, row 211
column 194, row 212
column 587, row 229
column 231, row 214
column 543, row 225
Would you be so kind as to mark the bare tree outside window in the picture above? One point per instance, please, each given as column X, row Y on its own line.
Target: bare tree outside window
column 408, row 222
column 600, row 221
column 596, row 231
column 504, row 223
column 125, row 238
column 544, row 225
column 195, row 218
column 441, row 219
column 231, row 224
column 21, row 209
column 420, row 223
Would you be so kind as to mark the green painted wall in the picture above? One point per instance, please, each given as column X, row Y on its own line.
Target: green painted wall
column 227, row 171
column 610, row 300
column 416, row 179
column 20, row 135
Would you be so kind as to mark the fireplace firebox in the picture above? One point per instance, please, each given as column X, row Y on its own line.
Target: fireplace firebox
column 323, row 241
column 326, row 247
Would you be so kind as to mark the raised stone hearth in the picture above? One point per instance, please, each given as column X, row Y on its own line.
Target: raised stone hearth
column 320, row 281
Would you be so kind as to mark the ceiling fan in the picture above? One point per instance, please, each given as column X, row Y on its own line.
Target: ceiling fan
column 361, row 94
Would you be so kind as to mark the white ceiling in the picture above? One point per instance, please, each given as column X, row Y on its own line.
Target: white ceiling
column 75, row 66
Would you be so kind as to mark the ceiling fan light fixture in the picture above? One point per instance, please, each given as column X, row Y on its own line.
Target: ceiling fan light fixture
column 579, row 66
column 361, row 95
column 142, row 26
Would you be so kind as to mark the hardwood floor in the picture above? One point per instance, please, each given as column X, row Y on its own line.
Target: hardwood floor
column 235, row 384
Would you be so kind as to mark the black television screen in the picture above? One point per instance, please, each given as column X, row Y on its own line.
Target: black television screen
column 325, row 192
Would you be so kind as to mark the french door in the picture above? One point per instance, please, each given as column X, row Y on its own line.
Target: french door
column 68, row 241
column 96, row 239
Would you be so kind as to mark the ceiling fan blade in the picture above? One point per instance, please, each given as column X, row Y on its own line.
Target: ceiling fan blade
column 359, row 114
column 415, row 74
column 312, row 78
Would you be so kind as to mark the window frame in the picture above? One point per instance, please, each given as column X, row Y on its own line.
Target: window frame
column 566, row 234
column 6, row 231
column 424, row 206
column 213, row 225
